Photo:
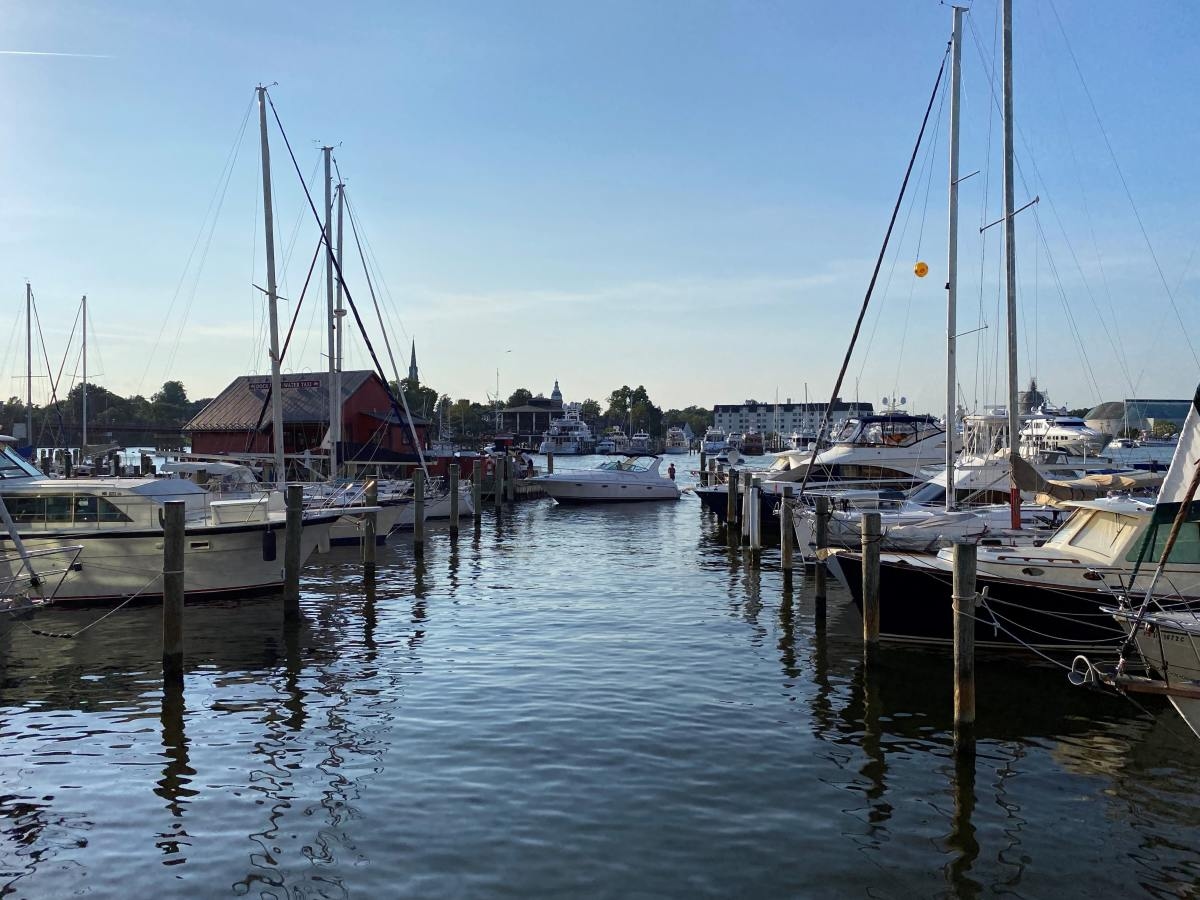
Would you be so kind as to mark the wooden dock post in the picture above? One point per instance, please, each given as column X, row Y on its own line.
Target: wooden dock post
column 964, row 635
column 871, row 527
column 731, row 510
column 747, row 480
column 703, row 470
column 821, row 572
column 453, row 497
column 549, row 462
column 510, row 478
column 477, row 488
column 293, row 531
column 419, row 512
column 370, row 529
column 498, row 481
column 755, row 518
column 173, row 592
column 787, row 542
column 713, row 470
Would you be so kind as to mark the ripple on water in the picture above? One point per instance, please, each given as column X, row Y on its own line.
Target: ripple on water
column 591, row 700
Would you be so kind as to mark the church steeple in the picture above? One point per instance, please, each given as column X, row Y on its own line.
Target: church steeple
column 556, row 394
column 412, row 365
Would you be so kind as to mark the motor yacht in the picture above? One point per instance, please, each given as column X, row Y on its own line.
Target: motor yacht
column 1048, row 428
column 631, row 478
column 641, row 443
column 568, row 436
column 714, row 442
column 676, row 442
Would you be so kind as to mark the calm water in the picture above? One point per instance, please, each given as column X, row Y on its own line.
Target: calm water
column 572, row 702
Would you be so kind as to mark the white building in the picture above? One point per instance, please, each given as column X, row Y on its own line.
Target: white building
column 782, row 418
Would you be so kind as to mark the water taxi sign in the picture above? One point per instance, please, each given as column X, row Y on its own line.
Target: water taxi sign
column 286, row 385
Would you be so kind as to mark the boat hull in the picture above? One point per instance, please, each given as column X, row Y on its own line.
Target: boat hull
column 569, row 492
column 347, row 530
column 915, row 605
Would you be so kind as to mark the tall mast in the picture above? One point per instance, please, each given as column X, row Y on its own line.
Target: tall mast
column 1010, row 274
column 29, row 366
column 335, row 411
column 952, row 258
column 338, row 314
column 272, row 297
column 83, row 417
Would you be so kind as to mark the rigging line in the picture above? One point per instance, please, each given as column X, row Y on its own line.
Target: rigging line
column 837, row 387
column 53, row 383
column 391, row 308
column 982, row 356
column 1124, row 184
column 350, row 299
column 226, row 173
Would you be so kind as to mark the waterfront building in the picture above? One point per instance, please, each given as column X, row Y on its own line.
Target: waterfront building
column 1116, row 416
column 783, row 418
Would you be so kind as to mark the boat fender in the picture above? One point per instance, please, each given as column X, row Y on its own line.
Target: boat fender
column 269, row 547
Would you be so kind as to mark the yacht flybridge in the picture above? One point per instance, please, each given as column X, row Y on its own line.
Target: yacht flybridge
column 1054, row 429
column 113, row 528
column 568, row 436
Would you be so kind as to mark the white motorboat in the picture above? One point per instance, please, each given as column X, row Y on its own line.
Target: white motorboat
column 568, row 436
column 234, row 546
column 714, row 442
column 629, row 479
column 640, row 443
column 677, row 441
column 1053, row 429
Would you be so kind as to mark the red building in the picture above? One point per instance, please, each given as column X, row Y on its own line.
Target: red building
column 238, row 420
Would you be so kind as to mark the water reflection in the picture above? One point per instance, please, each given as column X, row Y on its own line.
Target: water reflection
column 177, row 772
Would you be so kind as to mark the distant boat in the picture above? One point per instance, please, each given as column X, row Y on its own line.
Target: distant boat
column 677, row 441
column 568, row 436
column 641, row 443
column 714, row 442
column 752, row 444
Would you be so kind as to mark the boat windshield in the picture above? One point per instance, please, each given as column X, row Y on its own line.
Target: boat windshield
column 13, row 465
column 625, row 465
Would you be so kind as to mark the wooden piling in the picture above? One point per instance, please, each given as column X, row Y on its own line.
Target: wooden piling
column 731, row 510
column 713, row 472
column 964, row 634
column 477, row 488
column 510, row 478
column 370, row 529
column 747, row 480
column 419, row 512
column 549, row 462
column 453, row 497
column 703, row 470
column 293, row 531
column 787, row 543
column 755, row 517
column 68, row 463
column 498, row 481
column 871, row 526
column 173, row 540
column 820, row 592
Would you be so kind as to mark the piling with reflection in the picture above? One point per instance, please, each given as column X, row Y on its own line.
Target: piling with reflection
column 292, row 533
column 747, row 479
column 370, row 528
column 419, row 512
column 498, row 481
column 549, row 462
column 173, row 591
column 510, row 478
column 703, row 470
column 871, row 527
column 964, row 634
column 477, row 488
column 755, row 519
column 731, row 507
column 786, row 541
column 454, row 497
column 820, row 572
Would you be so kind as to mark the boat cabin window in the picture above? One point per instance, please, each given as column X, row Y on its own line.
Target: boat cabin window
column 1186, row 549
column 1103, row 532
column 12, row 465
column 63, row 509
column 624, row 465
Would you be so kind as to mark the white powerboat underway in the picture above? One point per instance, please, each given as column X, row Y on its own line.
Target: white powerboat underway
column 1053, row 429
column 115, row 526
column 629, row 479
column 677, row 441
column 714, row 442
column 568, row 436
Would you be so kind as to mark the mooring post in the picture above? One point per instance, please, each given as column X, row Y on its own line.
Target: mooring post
column 510, row 477
column 820, row 591
column 293, row 531
column 787, row 543
column 747, row 480
column 67, row 463
column 964, row 634
column 755, row 520
column 370, row 528
column 173, row 591
column 419, row 512
column 871, row 525
column 731, row 507
column 477, row 488
column 549, row 462
column 498, row 481
column 453, row 496
column 703, row 471
column 713, row 469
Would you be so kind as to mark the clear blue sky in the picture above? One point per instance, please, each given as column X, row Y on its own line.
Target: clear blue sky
column 684, row 195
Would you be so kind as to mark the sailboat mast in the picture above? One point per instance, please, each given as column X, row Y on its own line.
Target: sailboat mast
column 335, row 411
column 338, row 314
column 29, row 366
column 1010, row 273
column 83, row 417
column 272, row 297
column 952, row 258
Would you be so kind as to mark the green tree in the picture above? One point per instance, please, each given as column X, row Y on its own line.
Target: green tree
column 589, row 410
column 520, row 397
column 1164, row 429
column 170, row 405
column 422, row 400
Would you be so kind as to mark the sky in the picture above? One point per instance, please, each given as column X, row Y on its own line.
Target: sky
column 684, row 195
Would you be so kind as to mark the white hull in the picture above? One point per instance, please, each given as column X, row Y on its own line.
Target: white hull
column 1170, row 643
column 675, row 451
column 584, row 492
column 348, row 529
column 437, row 508
column 217, row 560
column 560, row 448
